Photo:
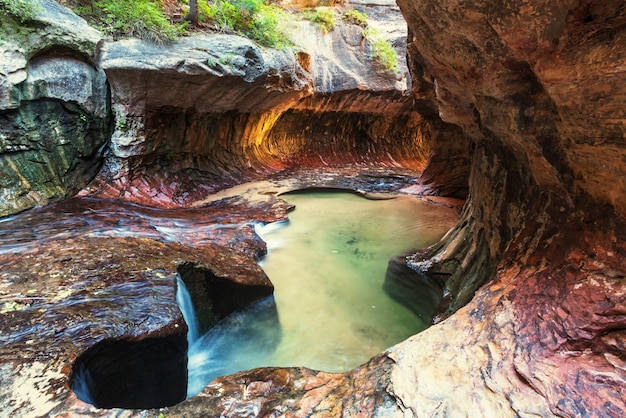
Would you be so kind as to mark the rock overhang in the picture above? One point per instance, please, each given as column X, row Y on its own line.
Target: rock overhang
column 505, row 190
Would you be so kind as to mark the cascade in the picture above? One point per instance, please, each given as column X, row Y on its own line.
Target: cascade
column 329, row 310
column 183, row 298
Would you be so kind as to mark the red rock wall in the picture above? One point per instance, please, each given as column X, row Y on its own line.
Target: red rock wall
column 539, row 89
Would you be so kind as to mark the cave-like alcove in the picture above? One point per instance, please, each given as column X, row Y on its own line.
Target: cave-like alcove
column 133, row 374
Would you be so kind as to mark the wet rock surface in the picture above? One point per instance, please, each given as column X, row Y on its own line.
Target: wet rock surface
column 524, row 98
column 87, row 279
column 212, row 111
column 53, row 108
column 76, row 275
column 296, row 392
column 534, row 228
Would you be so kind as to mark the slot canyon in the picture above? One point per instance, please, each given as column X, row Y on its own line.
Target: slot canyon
column 126, row 165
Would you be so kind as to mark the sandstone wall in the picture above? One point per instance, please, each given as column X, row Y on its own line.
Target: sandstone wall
column 525, row 96
column 53, row 107
column 211, row 111
column 538, row 88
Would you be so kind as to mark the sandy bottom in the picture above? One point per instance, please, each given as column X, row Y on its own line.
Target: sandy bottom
column 328, row 265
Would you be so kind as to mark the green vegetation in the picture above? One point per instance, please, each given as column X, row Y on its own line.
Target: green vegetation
column 142, row 18
column 355, row 17
column 252, row 18
column 12, row 306
column 323, row 17
column 22, row 9
column 120, row 123
column 381, row 50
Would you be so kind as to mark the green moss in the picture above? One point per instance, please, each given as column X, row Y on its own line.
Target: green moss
column 12, row 306
column 15, row 14
column 382, row 51
column 322, row 17
column 24, row 10
column 11, row 28
column 355, row 17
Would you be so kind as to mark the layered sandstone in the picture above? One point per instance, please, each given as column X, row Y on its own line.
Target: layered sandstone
column 539, row 89
column 526, row 96
column 53, row 108
column 211, row 111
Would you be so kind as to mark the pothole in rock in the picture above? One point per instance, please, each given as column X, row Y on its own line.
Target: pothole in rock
column 141, row 374
column 147, row 373
column 331, row 309
column 336, row 303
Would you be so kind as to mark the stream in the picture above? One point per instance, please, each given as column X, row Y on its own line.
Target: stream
column 73, row 268
column 329, row 311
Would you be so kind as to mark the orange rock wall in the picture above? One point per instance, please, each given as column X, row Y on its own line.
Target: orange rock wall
column 539, row 90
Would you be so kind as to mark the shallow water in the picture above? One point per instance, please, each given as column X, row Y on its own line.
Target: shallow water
column 328, row 265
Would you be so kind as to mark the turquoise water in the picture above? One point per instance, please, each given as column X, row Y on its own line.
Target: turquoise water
column 328, row 264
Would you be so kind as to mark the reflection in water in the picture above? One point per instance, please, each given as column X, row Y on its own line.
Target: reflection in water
column 328, row 264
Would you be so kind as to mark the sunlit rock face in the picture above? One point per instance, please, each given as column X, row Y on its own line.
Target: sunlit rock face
column 53, row 108
column 525, row 96
column 212, row 111
column 538, row 87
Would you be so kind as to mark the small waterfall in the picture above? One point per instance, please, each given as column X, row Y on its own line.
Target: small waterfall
column 81, row 384
column 244, row 340
column 189, row 314
column 263, row 230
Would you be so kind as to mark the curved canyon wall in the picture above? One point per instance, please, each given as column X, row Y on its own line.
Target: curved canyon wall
column 524, row 97
column 204, row 113
column 211, row 111
column 539, row 89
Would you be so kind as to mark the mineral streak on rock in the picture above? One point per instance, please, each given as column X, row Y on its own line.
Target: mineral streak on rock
column 524, row 97
column 85, row 273
column 212, row 111
column 543, row 226
column 53, row 108
column 91, row 280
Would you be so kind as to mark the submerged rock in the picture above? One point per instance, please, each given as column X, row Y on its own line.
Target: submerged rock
column 525, row 97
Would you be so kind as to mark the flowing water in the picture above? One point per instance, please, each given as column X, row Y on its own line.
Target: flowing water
column 183, row 298
column 328, row 264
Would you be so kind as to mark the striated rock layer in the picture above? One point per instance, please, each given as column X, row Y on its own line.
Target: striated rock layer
column 87, row 285
column 526, row 96
column 211, row 111
column 53, row 107
column 539, row 88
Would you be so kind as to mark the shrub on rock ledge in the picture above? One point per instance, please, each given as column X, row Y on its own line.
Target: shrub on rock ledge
column 251, row 18
column 142, row 18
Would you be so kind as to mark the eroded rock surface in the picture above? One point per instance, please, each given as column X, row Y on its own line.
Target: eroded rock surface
column 544, row 235
column 53, row 107
column 86, row 272
column 208, row 112
column 525, row 96
column 89, row 284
